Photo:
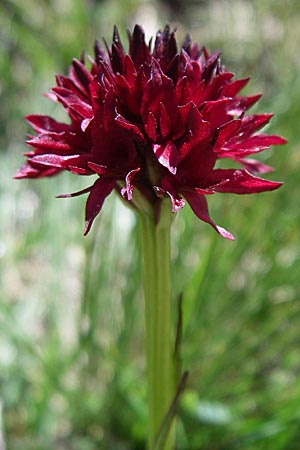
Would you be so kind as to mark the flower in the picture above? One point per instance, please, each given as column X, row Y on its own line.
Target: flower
column 155, row 120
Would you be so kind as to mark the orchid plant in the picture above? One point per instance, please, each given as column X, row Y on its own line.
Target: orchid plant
column 153, row 124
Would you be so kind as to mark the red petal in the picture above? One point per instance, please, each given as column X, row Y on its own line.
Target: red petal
column 71, row 84
column 231, row 89
column 258, row 142
column 126, row 192
column 239, row 182
column 50, row 141
column 133, row 129
column 73, row 102
column 129, row 70
column 62, row 162
column 183, row 113
column 213, row 89
column 83, row 75
column 43, row 124
column 253, row 165
column 164, row 121
column 253, row 123
column 167, row 188
column 85, row 123
column 165, row 47
column 210, row 65
column 198, row 204
column 117, row 53
column 99, row 169
column 227, row 131
column 150, row 126
column 75, row 194
column 196, row 154
column 200, row 128
column 168, row 155
column 159, row 88
column 29, row 171
column 138, row 49
column 216, row 112
column 241, row 104
column 183, row 92
column 99, row 191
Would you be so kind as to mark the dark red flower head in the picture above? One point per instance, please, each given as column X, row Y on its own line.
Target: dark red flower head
column 154, row 121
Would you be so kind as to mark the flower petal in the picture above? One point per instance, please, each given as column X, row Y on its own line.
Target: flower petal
column 232, row 89
column 42, row 124
column 32, row 171
column 167, row 188
column 82, row 74
column 75, row 194
column 240, row 104
column 71, row 101
column 226, row 132
column 253, row 144
column 117, row 53
column 99, row 191
column 253, row 165
column 240, row 182
column 63, row 162
column 168, row 155
column 198, row 204
column 129, row 126
column 126, row 192
column 165, row 47
column 159, row 89
column 53, row 142
column 164, row 121
column 138, row 49
column 150, row 126
column 210, row 65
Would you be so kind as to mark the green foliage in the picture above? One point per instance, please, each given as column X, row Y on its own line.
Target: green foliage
column 72, row 372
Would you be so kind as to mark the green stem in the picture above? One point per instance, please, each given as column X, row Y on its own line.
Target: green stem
column 157, row 292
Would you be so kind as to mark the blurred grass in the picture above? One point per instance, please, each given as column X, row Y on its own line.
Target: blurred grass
column 71, row 309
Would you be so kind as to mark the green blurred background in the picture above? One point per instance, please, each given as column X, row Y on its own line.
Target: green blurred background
column 72, row 369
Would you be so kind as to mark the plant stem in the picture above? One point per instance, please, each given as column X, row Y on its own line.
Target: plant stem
column 157, row 292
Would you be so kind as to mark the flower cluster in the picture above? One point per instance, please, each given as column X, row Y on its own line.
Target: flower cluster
column 155, row 120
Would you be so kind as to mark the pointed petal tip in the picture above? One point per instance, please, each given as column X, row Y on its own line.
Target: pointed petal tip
column 255, row 166
column 116, row 36
column 26, row 171
column 224, row 233
column 278, row 184
column 63, row 196
column 20, row 173
column 29, row 117
column 281, row 140
column 87, row 228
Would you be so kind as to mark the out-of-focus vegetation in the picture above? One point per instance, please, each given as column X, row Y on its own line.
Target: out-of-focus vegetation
column 71, row 308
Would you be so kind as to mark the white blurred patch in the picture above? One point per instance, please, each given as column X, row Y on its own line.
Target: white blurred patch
column 147, row 17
